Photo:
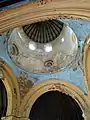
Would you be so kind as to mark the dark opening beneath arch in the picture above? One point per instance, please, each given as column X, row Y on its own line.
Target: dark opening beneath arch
column 3, row 100
column 55, row 105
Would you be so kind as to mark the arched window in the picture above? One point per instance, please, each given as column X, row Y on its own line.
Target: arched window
column 55, row 105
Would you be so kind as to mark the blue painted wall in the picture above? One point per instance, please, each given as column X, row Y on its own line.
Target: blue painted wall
column 72, row 74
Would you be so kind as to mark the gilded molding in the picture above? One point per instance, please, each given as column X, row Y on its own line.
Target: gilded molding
column 36, row 11
column 51, row 85
column 12, row 89
column 86, row 62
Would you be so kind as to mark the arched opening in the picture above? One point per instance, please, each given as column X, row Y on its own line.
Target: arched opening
column 54, row 105
column 3, row 100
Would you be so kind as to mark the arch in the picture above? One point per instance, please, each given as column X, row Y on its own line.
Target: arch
column 53, row 85
column 54, row 105
column 12, row 89
column 86, row 63
column 45, row 9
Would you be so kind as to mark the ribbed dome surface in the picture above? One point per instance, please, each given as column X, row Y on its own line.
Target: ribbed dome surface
column 43, row 32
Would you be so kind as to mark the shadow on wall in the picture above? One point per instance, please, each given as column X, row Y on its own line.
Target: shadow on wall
column 3, row 100
column 64, row 107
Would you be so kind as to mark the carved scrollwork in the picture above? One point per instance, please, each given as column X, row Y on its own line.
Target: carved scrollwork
column 58, row 87
column 55, row 86
column 24, row 83
column 44, row 1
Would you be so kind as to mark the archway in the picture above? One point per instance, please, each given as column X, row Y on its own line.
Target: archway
column 86, row 62
column 10, row 87
column 54, row 105
column 79, row 100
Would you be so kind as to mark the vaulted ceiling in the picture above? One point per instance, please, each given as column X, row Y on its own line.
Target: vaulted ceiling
column 44, row 40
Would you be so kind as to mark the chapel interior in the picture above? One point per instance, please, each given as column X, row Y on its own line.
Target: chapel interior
column 44, row 60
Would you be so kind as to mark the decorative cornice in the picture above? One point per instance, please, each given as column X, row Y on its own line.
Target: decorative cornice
column 37, row 11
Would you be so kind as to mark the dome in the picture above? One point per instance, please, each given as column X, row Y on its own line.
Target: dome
column 43, row 47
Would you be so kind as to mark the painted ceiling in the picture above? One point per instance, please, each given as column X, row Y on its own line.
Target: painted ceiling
column 73, row 31
column 73, row 73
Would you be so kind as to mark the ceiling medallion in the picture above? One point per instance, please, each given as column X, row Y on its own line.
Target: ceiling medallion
column 43, row 47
